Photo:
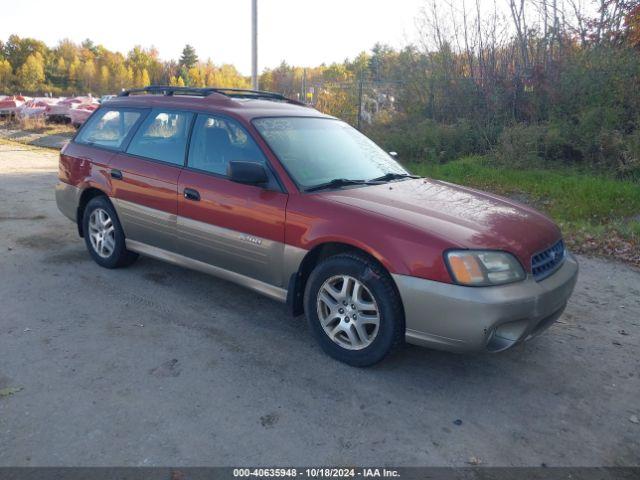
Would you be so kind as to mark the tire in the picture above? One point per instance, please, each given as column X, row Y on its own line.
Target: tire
column 330, row 319
column 107, row 248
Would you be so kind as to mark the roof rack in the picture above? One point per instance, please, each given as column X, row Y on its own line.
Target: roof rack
column 205, row 92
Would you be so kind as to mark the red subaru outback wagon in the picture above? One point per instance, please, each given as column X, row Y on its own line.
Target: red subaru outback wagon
column 273, row 195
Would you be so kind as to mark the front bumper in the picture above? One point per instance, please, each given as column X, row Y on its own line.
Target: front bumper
column 470, row 319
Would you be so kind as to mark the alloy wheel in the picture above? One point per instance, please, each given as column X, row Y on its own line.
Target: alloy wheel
column 348, row 312
column 102, row 232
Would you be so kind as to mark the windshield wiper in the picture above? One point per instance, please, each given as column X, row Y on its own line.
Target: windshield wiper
column 392, row 176
column 342, row 182
column 336, row 182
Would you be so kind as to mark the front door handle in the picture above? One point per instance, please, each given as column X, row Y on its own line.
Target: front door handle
column 191, row 194
column 117, row 174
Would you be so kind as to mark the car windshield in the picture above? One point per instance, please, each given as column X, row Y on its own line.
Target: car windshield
column 318, row 150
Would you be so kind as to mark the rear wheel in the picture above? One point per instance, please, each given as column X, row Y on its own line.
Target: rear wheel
column 104, row 236
column 354, row 310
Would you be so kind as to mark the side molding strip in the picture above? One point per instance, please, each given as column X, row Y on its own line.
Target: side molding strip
column 270, row 291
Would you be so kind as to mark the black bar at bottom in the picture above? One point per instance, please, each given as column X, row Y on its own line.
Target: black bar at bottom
column 406, row 473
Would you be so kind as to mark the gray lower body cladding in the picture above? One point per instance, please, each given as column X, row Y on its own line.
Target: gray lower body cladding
column 172, row 236
column 68, row 199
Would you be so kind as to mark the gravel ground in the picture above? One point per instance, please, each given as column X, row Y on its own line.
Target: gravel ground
column 157, row 365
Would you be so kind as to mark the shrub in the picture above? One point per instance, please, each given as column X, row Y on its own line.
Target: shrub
column 521, row 145
column 583, row 143
column 430, row 141
column 628, row 161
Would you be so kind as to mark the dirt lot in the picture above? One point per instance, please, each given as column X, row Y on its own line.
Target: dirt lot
column 156, row 365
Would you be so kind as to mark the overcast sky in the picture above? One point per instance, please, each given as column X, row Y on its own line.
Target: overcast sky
column 302, row 32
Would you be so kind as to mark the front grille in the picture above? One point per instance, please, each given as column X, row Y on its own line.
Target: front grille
column 548, row 261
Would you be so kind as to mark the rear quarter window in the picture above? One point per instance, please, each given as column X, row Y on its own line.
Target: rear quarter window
column 108, row 128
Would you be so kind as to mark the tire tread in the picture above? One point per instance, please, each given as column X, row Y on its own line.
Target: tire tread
column 386, row 288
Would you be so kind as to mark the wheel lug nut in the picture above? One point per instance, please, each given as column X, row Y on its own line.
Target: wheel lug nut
column 353, row 306
column 341, row 310
column 354, row 316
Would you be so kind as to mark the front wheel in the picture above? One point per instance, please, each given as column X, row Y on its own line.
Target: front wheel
column 354, row 310
column 104, row 236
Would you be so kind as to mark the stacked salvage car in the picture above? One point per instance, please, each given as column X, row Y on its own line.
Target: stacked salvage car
column 64, row 110
column 74, row 110
column 9, row 105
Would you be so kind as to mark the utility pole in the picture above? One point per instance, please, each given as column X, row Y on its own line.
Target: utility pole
column 360, row 102
column 254, row 44
column 304, row 86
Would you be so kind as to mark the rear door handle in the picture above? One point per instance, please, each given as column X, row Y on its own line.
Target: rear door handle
column 191, row 194
column 117, row 174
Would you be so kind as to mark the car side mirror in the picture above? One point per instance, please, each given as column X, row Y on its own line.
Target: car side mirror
column 249, row 173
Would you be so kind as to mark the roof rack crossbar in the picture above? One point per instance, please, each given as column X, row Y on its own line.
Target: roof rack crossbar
column 204, row 92
column 168, row 90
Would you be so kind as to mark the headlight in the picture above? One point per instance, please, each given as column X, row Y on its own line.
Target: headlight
column 483, row 268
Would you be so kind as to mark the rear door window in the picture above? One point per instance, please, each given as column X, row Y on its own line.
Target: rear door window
column 163, row 136
column 108, row 128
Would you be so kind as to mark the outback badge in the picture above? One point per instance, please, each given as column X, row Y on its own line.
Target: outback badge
column 251, row 239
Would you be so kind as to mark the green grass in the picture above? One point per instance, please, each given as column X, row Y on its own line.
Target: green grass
column 591, row 209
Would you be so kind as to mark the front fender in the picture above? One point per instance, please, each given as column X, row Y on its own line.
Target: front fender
column 401, row 248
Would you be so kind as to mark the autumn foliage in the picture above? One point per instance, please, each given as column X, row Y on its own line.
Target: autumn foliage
column 29, row 66
column 541, row 82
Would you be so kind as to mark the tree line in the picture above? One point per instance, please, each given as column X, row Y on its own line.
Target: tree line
column 528, row 81
column 29, row 66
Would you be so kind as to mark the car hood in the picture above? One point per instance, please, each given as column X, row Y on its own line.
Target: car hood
column 459, row 215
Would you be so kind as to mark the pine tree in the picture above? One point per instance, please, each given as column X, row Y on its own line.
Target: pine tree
column 189, row 57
